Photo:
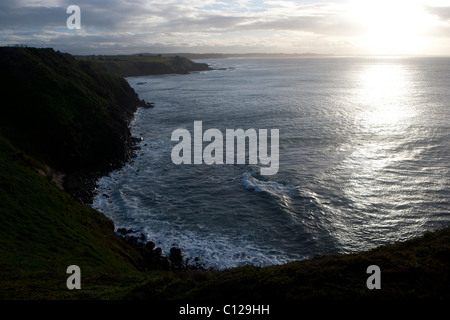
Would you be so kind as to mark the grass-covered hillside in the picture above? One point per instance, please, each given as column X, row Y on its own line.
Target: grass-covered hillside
column 43, row 230
column 59, row 119
column 62, row 118
column 413, row 270
column 143, row 64
column 64, row 112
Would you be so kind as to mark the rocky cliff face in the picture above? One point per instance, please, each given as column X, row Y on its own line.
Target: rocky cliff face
column 67, row 113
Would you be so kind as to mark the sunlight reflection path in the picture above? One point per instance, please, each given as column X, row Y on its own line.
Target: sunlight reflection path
column 384, row 112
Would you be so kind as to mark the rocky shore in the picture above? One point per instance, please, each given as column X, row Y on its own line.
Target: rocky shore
column 152, row 257
column 75, row 116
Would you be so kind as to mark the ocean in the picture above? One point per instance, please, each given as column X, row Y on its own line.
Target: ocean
column 364, row 159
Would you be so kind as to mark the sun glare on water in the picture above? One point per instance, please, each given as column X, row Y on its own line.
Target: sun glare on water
column 385, row 92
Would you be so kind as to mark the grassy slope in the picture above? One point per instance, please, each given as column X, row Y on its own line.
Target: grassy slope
column 71, row 117
column 416, row 269
column 43, row 231
column 138, row 65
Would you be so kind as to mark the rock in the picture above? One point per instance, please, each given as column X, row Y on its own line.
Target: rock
column 176, row 258
column 132, row 241
column 152, row 257
column 147, row 105
column 125, row 231
column 158, row 251
column 165, row 263
column 150, row 246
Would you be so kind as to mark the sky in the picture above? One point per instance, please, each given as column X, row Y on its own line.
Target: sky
column 340, row 27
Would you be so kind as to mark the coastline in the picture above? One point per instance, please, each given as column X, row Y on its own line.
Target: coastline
column 84, row 136
column 82, row 185
column 43, row 229
column 134, row 238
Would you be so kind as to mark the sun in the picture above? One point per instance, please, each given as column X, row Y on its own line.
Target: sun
column 390, row 26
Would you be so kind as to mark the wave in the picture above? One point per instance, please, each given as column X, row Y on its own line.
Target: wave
column 282, row 194
column 217, row 251
column 271, row 187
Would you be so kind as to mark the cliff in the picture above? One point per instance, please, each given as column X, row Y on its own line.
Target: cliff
column 66, row 113
column 62, row 124
column 143, row 64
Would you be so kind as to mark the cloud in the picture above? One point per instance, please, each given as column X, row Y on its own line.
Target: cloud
column 159, row 18
column 134, row 25
column 30, row 16
column 443, row 13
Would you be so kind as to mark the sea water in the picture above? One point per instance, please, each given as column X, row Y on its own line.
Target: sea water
column 364, row 159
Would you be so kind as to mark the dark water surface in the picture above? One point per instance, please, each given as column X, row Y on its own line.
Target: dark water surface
column 364, row 159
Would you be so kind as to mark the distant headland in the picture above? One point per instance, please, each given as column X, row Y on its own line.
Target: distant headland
column 143, row 64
